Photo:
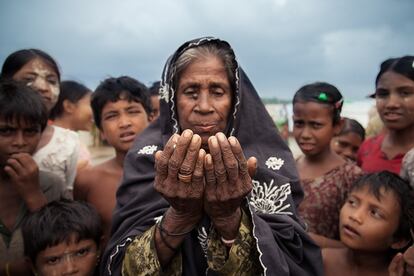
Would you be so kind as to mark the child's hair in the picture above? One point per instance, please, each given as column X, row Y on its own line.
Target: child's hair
column 351, row 125
column 323, row 93
column 401, row 65
column 19, row 102
column 391, row 182
column 154, row 88
column 15, row 61
column 57, row 222
column 115, row 89
column 71, row 91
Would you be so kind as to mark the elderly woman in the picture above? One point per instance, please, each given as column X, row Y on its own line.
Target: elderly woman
column 198, row 206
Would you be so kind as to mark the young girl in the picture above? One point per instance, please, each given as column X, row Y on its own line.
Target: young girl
column 58, row 149
column 375, row 223
column 394, row 97
column 325, row 176
column 73, row 111
column 348, row 141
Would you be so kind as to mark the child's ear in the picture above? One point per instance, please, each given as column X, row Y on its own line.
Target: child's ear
column 102, row 135
column 68, row 106
column 338, row 126
column 399, row 244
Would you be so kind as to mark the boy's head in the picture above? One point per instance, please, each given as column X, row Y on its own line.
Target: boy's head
column 155, row 99
column 23, row 117
column 122, row 109
column 378, row 213
column 59, row 231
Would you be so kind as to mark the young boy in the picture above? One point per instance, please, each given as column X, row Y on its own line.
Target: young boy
column 121, row 108
column 23, row 188
column 63, row 238
column 375, row 222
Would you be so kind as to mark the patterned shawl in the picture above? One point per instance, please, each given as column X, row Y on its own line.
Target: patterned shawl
column 282, row 243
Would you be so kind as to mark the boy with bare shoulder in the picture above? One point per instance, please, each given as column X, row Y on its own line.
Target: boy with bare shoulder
column 375, row 224
column 121, row 108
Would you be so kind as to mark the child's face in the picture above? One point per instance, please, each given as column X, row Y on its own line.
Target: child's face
column 367, row 223
column 17, row 137
column 42, row 78
column 73, row 258
column 121, row 121
column 395, row 100
column 155, row 102
column 82, row 114
column 347, row 145
column 312, row 127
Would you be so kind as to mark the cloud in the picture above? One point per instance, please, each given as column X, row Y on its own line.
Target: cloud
column 282, row 44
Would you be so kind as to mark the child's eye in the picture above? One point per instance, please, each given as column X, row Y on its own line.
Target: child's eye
column 376, row 213
column 31, row 131
column 109, row 116
column 406, row 93
column 7, row 131
column 297, row 123
column 316, row 125
column 381, row 93
column 82, row 252
column 134, row 111
column 352, row 202
column 53, row 260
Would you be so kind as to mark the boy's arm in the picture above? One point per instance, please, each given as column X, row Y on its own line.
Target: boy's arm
column 24, row 174
column 81, row 186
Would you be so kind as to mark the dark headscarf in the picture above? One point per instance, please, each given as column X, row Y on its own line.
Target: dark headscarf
column 282, row 243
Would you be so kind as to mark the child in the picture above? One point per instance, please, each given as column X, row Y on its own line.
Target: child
column 155, row 99
column 73, row 111
column 325, row 176
column 63, row 238
column 375, row 221
column 394, row 97
column 58, row 149
column 23, row 188
column 347, row 142
column 121, row 108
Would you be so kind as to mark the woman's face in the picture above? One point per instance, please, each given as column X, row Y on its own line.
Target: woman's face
column 204, row 98
column 395, row 100
column 41, row 77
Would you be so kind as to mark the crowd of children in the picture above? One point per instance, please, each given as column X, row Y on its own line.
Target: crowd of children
column 56, row 208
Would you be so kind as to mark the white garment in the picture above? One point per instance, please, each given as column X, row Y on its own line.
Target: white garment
column 60, row 155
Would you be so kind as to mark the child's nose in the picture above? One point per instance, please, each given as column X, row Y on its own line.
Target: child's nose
column 357, row 215
column 69, row 265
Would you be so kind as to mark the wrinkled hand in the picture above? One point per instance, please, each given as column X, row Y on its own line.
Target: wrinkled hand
column 180, row 177
column 228, row 182
column 402, row 264
column 24, row 174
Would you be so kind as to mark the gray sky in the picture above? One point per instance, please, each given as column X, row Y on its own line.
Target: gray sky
column 281, row 44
